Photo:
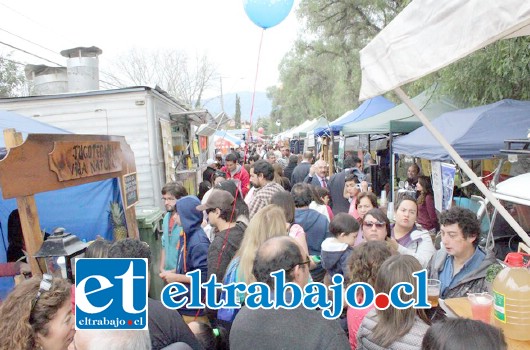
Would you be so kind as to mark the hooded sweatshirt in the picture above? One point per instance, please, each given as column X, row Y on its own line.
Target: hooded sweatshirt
column 193, row 244
column 315, row 226
column 334, row 257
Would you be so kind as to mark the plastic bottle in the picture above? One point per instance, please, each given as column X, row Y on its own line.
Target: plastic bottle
column 511, row 292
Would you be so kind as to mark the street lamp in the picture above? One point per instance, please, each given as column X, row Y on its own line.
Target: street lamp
column 58, row 253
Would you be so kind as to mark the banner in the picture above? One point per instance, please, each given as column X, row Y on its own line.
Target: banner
column 448, row 182
column 340, row 159
column 436, row 178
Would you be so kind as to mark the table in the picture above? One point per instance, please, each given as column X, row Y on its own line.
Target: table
column 462, row 308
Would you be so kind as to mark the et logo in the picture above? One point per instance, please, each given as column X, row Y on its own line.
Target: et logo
column 111, row 294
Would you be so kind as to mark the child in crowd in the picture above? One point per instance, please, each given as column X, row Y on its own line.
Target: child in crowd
column 336, row 250
column 320, row 201
column 352, row 188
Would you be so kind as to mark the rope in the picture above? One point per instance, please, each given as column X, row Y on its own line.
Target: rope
column 253, row 97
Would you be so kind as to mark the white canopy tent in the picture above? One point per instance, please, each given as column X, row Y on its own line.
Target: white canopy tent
column 296, row 130
column 431, row 34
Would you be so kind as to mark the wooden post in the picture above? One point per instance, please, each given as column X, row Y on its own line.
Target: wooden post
column 29, row 217
column 49, row 162
column 330, row 157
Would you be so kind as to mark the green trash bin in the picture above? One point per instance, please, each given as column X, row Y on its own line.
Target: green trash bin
column 150, row 226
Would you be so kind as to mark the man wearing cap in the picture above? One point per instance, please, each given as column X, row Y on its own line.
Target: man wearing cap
column 212, row 166
column 222, row 214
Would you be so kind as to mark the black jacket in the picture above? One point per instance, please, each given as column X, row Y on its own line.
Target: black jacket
column 339, row 204
column 219, row 257
column 207, row 175
column 300, row 172
column 166, row 327
column 288, row 171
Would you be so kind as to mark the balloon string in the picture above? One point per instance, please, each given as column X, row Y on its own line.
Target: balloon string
column 254, row 95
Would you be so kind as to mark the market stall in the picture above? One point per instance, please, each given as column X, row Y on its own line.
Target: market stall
column 429, row 35
column 50, row 162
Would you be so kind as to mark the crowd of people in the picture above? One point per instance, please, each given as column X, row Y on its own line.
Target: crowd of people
column 268, row 211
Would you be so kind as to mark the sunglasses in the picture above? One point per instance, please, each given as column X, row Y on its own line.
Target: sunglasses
column 209, row 210
column 45, row 285
column 372, row 224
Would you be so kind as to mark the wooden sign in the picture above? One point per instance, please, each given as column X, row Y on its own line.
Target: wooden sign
column 75, row 160
column 131, row 189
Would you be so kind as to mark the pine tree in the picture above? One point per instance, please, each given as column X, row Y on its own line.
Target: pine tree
column 237, row 116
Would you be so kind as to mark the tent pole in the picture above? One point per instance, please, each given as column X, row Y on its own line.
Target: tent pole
column 462, row 164
column 392, row 167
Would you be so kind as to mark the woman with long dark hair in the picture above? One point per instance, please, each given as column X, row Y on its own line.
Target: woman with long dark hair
column 427, row 217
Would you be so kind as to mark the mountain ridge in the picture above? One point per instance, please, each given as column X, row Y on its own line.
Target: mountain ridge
column 262, row 104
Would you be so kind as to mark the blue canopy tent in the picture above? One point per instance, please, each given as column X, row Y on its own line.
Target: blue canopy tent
column 475, row 133
column 221, row 134
column 367, row 109
column 81, row 210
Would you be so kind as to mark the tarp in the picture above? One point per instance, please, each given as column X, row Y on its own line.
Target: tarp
column 383, row 123
column 82, row 210
column 311, row 127
column 431, row 34
column 475, row 133
column 367, row 109
column 228, row 137
column 25, row 125
column 306, row 127
column 223, row 141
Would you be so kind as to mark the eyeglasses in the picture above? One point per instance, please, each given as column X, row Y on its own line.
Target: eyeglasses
column 307, row 262
column 372, row 224
column 209, row 210
column 45, row 286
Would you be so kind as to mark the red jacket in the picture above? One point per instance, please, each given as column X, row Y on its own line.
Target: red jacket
column 240, row 174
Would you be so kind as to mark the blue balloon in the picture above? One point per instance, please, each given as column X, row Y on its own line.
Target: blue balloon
column 267, row 13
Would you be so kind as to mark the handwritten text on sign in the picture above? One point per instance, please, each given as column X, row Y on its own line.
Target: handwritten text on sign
column 74, row 160
column 131, row 189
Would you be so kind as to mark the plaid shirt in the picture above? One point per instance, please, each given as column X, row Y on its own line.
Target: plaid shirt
column 262, row 197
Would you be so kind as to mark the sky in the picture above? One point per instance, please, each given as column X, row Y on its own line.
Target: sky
column 219, row 28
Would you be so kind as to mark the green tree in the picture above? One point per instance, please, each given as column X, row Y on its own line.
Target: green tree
column 12, row 80
column 496, row 72
column 265, row 123
column 237, row 116
column 321, row 73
